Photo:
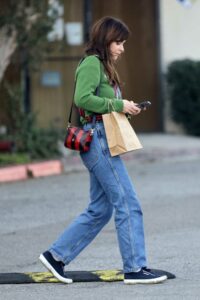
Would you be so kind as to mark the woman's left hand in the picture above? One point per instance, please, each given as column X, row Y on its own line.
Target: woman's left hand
column 135, row 109
column 130, row 107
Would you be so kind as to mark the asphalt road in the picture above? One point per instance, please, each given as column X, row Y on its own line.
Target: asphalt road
column 34, row 212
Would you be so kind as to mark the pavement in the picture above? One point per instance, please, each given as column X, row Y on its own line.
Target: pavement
column 166, row 176
column 156, row 147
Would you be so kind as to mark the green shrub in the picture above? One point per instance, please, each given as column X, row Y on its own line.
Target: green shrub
column 23, row 130
column 183, row 78
column 38, row 143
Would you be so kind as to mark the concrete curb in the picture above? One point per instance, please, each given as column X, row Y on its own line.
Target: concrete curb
column 13, row 173
column 23, row 172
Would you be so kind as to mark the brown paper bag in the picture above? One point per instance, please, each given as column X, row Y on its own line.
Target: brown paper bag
column 120, row 135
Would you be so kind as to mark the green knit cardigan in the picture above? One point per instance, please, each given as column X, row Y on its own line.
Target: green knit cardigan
column 90, row 75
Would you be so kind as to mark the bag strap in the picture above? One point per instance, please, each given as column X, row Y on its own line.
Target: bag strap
column 71, row 109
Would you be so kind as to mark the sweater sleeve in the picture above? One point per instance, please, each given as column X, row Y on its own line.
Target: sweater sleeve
column 88, row 78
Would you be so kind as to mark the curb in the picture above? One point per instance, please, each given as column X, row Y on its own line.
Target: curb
column 23, row 172
column 74, row 164
column 157, row 147
column 53, row 167
column 13, row 173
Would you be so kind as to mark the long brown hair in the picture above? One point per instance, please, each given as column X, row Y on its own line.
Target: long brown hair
column 103, row 33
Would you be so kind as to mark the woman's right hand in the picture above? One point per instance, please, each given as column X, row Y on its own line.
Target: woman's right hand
column 130, row 108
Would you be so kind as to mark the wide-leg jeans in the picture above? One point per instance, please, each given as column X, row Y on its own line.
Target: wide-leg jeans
column 110, row 188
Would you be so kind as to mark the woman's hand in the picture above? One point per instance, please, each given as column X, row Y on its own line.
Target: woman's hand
column 130, row 108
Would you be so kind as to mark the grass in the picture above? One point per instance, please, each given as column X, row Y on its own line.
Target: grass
column 7, row 159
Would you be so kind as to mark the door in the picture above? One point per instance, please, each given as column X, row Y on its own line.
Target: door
column 139, row 68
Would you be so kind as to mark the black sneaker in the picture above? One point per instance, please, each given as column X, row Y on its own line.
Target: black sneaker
column 145, row 275
column 54, row 266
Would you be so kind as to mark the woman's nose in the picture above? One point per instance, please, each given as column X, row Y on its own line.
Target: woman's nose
column 122, row 48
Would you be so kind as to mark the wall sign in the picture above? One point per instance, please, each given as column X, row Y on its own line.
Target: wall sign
column 74, row 33
column 51, row 79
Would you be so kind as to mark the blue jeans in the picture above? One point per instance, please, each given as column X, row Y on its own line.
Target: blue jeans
column 110, row 188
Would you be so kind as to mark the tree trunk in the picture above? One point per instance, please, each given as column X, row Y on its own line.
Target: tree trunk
column 8, row 46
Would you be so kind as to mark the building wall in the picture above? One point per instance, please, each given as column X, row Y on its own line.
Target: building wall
column 138, row 67
column 180, row 31
column 179, row 35
column 52, row 103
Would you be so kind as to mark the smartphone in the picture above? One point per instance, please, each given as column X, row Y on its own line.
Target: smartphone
column 143, row 104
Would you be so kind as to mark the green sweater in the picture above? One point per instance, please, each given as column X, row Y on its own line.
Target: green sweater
column 90, row 75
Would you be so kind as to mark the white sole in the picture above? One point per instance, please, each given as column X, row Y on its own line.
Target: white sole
column 51, row 269
column 146, row 281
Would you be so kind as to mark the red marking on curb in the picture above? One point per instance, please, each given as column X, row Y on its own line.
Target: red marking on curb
column 22, row 172
column 53, row 167
column 13, row 173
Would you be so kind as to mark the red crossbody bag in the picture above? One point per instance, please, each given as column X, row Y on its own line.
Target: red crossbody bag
column 76, row 138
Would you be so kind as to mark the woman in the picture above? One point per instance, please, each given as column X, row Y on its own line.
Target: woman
column 98, row 92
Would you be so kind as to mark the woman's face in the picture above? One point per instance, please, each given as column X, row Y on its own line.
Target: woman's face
column 116, row 49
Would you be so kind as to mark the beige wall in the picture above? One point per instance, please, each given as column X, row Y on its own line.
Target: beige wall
column 52, row 104
column 180, row 39
column 180, row 31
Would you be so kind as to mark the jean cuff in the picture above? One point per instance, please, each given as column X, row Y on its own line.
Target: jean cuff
column 55, row 255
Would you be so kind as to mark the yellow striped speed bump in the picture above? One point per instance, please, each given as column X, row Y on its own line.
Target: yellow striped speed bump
column 77, row 276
